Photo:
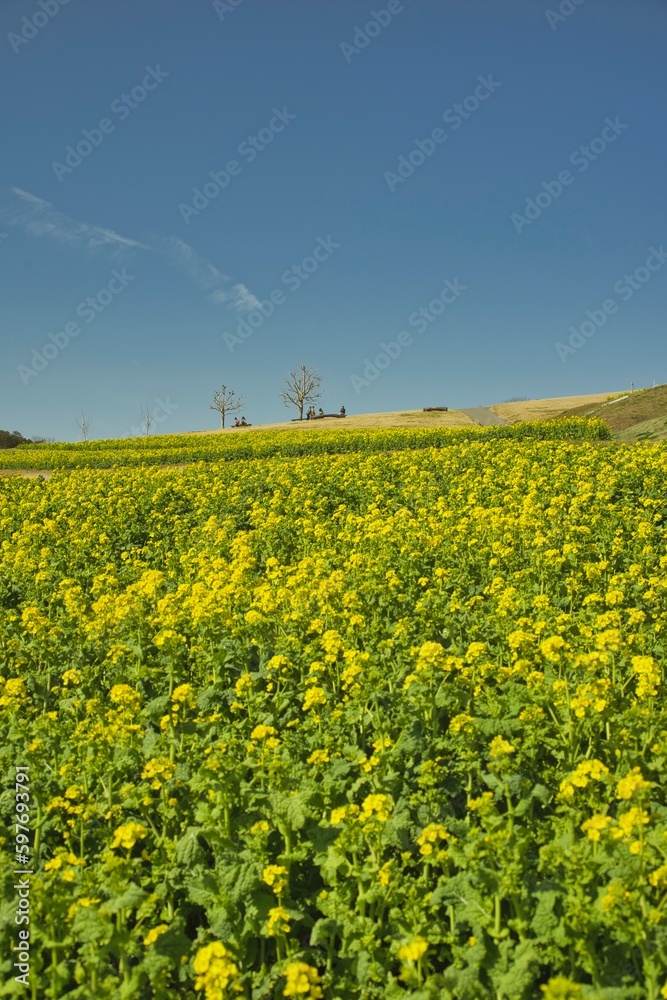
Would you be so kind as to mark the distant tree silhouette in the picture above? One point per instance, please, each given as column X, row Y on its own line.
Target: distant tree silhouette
column 84, row 422
column 146, row 418
column 301, row 386
column 226, row 401
column 11, row 439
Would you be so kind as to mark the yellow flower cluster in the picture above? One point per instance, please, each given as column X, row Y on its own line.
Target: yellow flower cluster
column 158, row 770
column 500, row 747
column 302, row 980
column 181, row 693
column 128, row 834
column 277, row 921
column 461, row 722
column 274, row 875
column 154, row 933
column 632, row 783
column 658, row 878
column 648, row 676
column 590, row 696
column 594, row 826
column 561, row 988
column 413, row 950
column 66, row 863
column 261, row 826
column 342, row 812
column 314, row 696
column 13, row 693
column 125, row 697
column 629, row 827
column 584, row 773
column 429, row 836
column 216, row 972
column 552, row 648
column 376, row 808
column 261, row 732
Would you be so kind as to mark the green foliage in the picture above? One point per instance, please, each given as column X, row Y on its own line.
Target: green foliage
column 395, row 718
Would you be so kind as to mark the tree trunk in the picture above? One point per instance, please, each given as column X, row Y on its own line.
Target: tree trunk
column 222, row 419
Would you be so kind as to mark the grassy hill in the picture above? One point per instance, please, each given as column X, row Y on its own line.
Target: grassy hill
column 636, row 416
column 511, row 413
column 544, row 409
column 399, row 418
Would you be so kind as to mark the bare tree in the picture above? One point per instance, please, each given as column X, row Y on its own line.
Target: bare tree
column 83, row 421
column 226, row 401
column 146, row 418
column 301, row 386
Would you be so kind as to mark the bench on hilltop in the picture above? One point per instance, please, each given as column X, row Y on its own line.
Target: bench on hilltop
column 429, row 409
column 318, row 416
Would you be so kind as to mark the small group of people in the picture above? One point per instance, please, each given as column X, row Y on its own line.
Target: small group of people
column 241, row 423
column 311, row 415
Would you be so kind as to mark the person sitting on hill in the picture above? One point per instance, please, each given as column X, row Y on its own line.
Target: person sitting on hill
column 237, row 422
column 342, row 411
column 320, row 412
column 243, row 422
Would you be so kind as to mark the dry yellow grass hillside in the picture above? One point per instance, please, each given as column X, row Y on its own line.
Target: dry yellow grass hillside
column 542, row 409
column 531, row 409
column 406, row 418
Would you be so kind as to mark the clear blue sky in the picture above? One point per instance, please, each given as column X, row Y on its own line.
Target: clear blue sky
column 333, row 109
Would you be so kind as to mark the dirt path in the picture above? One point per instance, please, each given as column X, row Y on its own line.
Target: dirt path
column 483, row 416
column 27, row 473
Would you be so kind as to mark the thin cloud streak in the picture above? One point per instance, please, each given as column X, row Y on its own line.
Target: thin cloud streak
column 220, row 288
column 39, row 218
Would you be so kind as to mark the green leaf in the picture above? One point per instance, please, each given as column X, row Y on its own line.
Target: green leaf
column 189, row 851
column 131, row 898
column 523, row 968
column 156, row 708
column 295, row 812
column 324, row 930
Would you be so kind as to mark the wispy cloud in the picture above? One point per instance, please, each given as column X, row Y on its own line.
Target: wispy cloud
column 39, row 218
column 25, row 211
column 219, row 287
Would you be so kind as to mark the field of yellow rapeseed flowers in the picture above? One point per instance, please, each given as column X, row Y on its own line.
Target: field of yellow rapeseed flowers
column 386, row 723
column 232, row 445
